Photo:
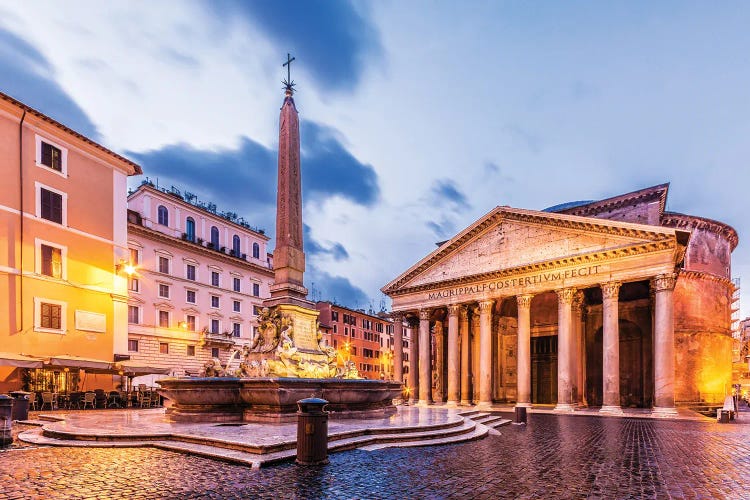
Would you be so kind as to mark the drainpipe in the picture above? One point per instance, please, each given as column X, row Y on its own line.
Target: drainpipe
column 20, row 192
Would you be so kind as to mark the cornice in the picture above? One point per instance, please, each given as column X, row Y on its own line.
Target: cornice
column 193, row 247
column 702, row 275
column 684, row 221
column 588, row 224
column 658, row 192
column 592, row 258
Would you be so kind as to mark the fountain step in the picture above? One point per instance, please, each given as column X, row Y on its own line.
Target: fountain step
column 479, row 432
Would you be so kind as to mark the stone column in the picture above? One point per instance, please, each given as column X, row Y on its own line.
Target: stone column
column 610, row 348
column 453, row 351
column 398, row 346
column 485, row 352
column 524, row 350
column 465, row 359
column 475, row 354
column 413, row 360
column 425, row 365
column 438, row 379
column 664, row 344
column 578, row 333
column 564, row 337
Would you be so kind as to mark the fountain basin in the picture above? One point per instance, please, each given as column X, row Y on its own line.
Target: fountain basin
column 274, row 399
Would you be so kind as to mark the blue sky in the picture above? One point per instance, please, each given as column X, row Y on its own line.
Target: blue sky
column 417, row 117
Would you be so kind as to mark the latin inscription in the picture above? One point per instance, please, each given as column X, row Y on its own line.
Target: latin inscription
column 509, row 283
column 304, row 336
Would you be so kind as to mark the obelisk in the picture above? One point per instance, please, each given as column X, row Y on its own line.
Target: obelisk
column 288, row 293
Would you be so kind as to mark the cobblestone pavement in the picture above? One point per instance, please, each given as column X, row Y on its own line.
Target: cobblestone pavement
column 552, row 457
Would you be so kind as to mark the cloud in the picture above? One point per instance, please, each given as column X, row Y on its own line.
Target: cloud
column 330, row 38
column 313, row 248
column 338, row 289
column 446, row 190
column 31, row 84
column 328, row 168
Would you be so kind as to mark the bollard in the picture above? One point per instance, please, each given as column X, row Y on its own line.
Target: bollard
column 20, row 405
column 6, row 423
column 312, row 432
column 520, row 415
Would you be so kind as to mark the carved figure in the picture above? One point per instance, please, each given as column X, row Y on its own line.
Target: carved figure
column 209, row 369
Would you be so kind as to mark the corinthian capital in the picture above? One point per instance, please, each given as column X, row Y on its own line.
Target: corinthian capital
column 453, row 310
column 524, row 301
column 486, row 306
column 611, row 290
column 397, row 317
column 664, row 282
column 565, row 296
column 424, row 314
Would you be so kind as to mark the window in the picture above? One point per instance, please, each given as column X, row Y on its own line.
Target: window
column 164, row 319
column 334, row 315
column 190, row 272
column 214, row 301
column 50, row 316
column 162, row 215
column 134, row 315
column 215, row 327
column 164, row 265
column 236, row 245
column 51, row 205
column 51, row 156
column 190, row 296
column 256, row 290
column 163, row 291
column 190, row 320
column 163, row 348
column 236, row 329
column 191, row 350
column 133, row 284
column 214, row 278
column 256, row 310
column 215, row 237
column 236, row 306
column 335, row 329
column 133, row 345
column 256, row 251
column 190, row 229
column 51, row 261
column 236, row 284
column 214, row 352
column 135, row 257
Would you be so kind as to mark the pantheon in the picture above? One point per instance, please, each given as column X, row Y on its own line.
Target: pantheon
column 615, row 303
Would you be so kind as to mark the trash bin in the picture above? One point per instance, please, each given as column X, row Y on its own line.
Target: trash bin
column 312, row 432
column 20, row 405
column 724, row 419
column 6, row 422
column 520, row 415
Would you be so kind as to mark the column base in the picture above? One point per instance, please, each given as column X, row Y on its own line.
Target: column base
column 611, row 410
column 484, row 405
column 564, row 408
column 523, row 405
column 424, row 402
column 664, row 411
column 466, row 402
column 451, row 404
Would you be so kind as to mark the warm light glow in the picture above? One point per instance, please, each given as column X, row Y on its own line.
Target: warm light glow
column 183, row 325
column 129, row 269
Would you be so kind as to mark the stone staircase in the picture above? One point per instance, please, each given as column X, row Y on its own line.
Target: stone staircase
column 471, row 425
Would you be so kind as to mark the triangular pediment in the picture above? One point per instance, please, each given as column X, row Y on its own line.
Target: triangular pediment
column 509, row 238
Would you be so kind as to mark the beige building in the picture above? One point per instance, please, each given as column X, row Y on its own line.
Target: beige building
column 200, row 277
column 614, row 303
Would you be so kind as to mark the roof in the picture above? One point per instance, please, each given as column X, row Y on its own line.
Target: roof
column 591, row 208
column 28, row 109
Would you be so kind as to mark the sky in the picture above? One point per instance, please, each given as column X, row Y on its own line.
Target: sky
column 416, row 117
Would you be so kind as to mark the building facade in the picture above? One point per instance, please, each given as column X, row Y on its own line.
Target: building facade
column 63, row 241
column 368, row 340
column 199, row 281
column 614, row 303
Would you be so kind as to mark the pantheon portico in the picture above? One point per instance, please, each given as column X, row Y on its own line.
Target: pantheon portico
column 593, row 304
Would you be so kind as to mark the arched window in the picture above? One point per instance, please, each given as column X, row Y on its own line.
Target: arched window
column 256, row 251
column 190, row 229
column 163, row 215
column 236, row 245
column 215, row 237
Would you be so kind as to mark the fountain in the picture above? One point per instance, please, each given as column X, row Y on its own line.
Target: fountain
column 287, row 360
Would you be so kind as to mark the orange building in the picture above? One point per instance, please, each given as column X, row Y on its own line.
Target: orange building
column 365, row 339
column 63, row 289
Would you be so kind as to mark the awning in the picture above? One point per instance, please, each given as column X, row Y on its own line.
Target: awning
column 19, row 360
column 138, row 368
column 78, row 362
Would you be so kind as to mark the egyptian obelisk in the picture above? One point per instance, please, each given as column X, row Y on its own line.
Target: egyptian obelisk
column 288, row 293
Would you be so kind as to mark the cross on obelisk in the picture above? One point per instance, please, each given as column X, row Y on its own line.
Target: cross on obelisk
column 288, row 82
